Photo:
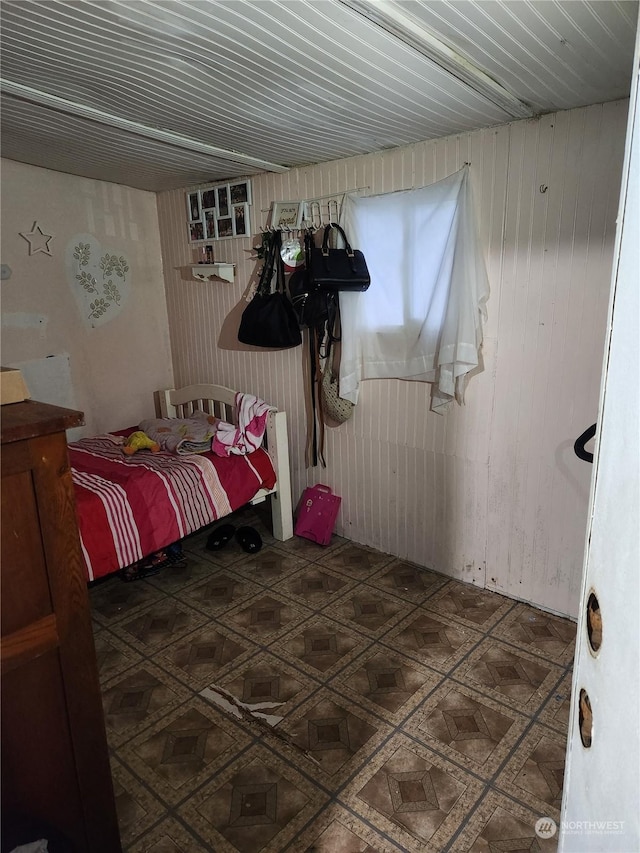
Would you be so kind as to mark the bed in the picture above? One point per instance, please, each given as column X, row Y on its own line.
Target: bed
column 129, row 507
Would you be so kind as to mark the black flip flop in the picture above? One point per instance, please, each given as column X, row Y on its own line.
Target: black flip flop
column 249, row 539
column 220, row 537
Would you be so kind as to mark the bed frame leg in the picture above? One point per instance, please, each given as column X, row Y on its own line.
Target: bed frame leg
column 281, row 504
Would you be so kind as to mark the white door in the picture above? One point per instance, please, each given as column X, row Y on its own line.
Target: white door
column 601, row 804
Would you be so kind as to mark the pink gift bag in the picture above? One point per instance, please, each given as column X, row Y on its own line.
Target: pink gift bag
column 317, row 514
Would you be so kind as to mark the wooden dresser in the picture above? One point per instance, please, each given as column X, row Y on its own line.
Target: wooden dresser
column 54, row 759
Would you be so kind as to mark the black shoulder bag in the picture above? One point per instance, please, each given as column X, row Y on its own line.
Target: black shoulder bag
column 269, row 320
column 338, row 269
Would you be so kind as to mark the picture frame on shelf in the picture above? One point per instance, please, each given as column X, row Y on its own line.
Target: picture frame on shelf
column 286, row 214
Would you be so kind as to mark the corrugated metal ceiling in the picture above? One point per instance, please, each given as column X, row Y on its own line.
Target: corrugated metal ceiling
column 160, row 94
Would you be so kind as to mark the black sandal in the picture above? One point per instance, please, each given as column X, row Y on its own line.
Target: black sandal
column 249, row 539
column 220, row 537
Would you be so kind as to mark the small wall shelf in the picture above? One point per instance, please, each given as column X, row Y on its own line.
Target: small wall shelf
column 205, row 272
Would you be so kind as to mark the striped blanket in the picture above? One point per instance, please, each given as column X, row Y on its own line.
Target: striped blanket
column 131, row 506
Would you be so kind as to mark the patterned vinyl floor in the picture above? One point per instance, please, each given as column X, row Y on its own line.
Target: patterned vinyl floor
column 328, row 700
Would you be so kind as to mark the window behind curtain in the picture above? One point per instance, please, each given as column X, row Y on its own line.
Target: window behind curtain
column 422, row 316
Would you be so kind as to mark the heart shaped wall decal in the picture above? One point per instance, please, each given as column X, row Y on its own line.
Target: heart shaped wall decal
column 100, row 279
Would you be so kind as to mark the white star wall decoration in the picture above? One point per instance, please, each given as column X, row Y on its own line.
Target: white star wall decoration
column 38, row 241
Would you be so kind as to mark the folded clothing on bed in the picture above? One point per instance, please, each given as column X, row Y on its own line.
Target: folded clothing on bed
column 183, row 435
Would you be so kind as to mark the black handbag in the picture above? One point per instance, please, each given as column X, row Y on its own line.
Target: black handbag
column 338, row 269
column 313, row 307
column 269, row 320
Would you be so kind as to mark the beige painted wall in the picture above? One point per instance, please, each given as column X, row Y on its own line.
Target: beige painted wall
column 108, row 370
column 490, row 493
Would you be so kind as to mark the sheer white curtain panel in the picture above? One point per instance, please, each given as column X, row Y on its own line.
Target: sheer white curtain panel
column 422, row 316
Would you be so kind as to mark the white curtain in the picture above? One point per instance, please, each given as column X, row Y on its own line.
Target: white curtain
column 422, row 316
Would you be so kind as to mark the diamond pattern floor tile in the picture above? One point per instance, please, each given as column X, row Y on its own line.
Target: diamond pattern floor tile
column 555, row 711
column 471, row 606
column 256, row 804
column 413, row 795
column 270, row 566
column 510, row 675
column 138, row 697
column 500, row 824
column 540, row 633
column 169, row 837
column 328, row 700
column 136, row 807
column 467, row 727
column 534, row 773
column 320, row 646
column 113, row 655
column 315, row 586
column 265, row 618
column 432, row 640
column 264, row 678
column 355, row 561
column 389, row 684
column 177, row 754
column 369, row 609
column 158, row 625
column 334, row 734
column 339, row 831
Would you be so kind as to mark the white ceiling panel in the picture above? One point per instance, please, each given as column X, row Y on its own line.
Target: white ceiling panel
column 159, row 94
column 34, row 135
column 554, row 54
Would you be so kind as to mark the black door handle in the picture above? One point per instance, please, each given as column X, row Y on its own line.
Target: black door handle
column 580, row 442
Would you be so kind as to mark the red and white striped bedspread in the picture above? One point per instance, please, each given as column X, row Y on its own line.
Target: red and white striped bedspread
column 130, row 506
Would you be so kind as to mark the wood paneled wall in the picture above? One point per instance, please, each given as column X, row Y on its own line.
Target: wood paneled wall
column 491, row 492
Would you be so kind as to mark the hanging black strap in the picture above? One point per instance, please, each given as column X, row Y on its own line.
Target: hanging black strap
column 279, row 263
column 315, row 426
column 312, row 435
column 266, row 273
column 320, row 335
column 320, row 411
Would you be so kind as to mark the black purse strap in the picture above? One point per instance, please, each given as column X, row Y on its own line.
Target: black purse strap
column 273, row 262
column 279, row 263
column 308, row 258
column 266, row 273
column 325, row 239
